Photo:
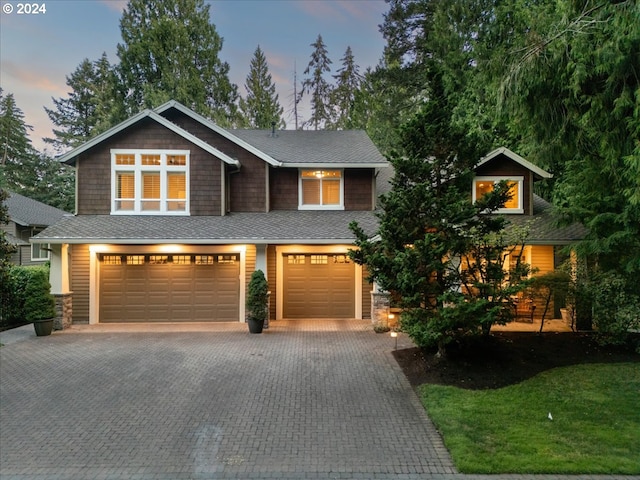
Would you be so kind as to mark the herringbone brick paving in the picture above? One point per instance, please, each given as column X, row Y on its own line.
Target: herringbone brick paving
column 305, row 400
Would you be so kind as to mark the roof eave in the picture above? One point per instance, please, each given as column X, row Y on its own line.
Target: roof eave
column 517, row 158
column 221, row 131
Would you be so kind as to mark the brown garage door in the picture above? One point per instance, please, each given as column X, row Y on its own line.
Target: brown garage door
column 169, row 288
column 318, row 286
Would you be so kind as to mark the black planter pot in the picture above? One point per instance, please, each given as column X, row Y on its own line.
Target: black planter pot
column 43, row 327
column 255, row 326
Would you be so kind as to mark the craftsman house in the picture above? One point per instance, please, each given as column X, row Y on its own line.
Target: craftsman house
column 174, row 213
column 28, row 217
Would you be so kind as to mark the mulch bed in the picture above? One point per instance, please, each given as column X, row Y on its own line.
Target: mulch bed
column 505, row 358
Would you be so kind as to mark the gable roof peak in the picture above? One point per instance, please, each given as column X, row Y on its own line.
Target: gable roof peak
column 516, row 158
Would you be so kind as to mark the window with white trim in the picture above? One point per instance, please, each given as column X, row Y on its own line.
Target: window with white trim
column 150, row 182
column 321, row 190
column 484, row 185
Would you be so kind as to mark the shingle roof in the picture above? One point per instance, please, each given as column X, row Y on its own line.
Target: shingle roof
column 26, row 211
column 316, row 227
column 300, row 148
column 543, row 226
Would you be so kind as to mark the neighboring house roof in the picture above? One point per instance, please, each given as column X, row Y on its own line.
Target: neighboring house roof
column 275, row 227
column 516, row 158
column 316, row 148
column 70, row 157
column 544, row 229
column 27, row 212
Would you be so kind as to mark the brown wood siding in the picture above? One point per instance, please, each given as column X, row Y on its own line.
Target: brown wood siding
column 247, row 187
column 94, row 169
column 358, row 184
column 283, row 188
column 271, row 278
column 502, row 166
column 79, row 264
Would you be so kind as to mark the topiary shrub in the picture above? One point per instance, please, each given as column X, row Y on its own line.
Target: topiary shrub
column 257, row 301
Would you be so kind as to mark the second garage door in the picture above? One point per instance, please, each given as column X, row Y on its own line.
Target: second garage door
column 169, row 288
column 318, row 286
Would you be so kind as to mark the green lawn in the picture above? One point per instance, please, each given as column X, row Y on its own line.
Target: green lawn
column 595, row 426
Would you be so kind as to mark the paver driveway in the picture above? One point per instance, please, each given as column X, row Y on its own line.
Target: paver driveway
column 303, row 400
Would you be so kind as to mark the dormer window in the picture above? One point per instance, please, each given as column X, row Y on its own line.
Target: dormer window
column 484, row 185
column 149, row 182
column 321, row 190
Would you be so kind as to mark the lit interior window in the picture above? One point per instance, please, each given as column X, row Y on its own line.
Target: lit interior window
column 321, row 187
column 484, row 186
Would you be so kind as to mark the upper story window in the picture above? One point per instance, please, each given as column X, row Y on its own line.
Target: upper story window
column 484, row 185
column 321, row 190
column 150, row 182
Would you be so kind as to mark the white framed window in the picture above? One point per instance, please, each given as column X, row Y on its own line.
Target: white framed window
column 484, row 185
column 40, row 251
column 149, row 182
column 321, row 190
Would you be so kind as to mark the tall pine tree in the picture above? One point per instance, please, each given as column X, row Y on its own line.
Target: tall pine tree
column 343, row 95
column 261, row 107
column 317, row 86
column 91, row 107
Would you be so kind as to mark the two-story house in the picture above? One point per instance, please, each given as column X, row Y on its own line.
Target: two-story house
column 28, row 217
column 174, row 213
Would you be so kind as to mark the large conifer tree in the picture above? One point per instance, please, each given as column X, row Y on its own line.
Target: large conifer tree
column 317, row 86
column 343, row 95
column 261, row 107
column 170, row 51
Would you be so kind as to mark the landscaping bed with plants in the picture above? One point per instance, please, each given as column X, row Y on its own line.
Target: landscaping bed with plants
column 503, row 405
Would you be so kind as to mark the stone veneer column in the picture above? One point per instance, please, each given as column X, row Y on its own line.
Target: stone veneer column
column 64, row 306
column 380, row 308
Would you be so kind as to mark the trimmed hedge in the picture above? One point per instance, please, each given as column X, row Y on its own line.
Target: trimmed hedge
column 26, row 293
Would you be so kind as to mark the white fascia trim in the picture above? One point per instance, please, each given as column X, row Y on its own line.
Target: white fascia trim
column 334, row 165
column 198, row 241
column 517, row 158
column 161, row 120
column 221, row 131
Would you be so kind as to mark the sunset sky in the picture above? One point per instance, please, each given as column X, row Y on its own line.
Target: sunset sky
column 38, row 51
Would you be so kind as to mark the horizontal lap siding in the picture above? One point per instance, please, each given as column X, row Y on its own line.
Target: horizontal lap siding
column 80, row 282
column 271, row 279
column 366, row 294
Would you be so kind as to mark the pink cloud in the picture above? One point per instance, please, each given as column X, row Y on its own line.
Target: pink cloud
column 33, row 79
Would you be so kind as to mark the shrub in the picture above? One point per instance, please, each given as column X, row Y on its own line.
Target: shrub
column 39, row 304
column 258, row 297
column 22, row 284
column 616, row 308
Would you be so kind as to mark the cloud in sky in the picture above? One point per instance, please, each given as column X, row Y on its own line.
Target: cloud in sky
column 32, row 79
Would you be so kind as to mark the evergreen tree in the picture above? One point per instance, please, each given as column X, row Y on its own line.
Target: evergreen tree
column 16, row 151
column 428, row 231
column 343, row 95
column 261, row 107
column 170, row 51
column 91, row 107
column 317, row 86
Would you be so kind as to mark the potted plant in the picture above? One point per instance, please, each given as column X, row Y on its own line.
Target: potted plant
column 257, row 302
column 39, row 305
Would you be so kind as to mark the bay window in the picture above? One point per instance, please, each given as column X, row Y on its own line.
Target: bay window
column 150, row 182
